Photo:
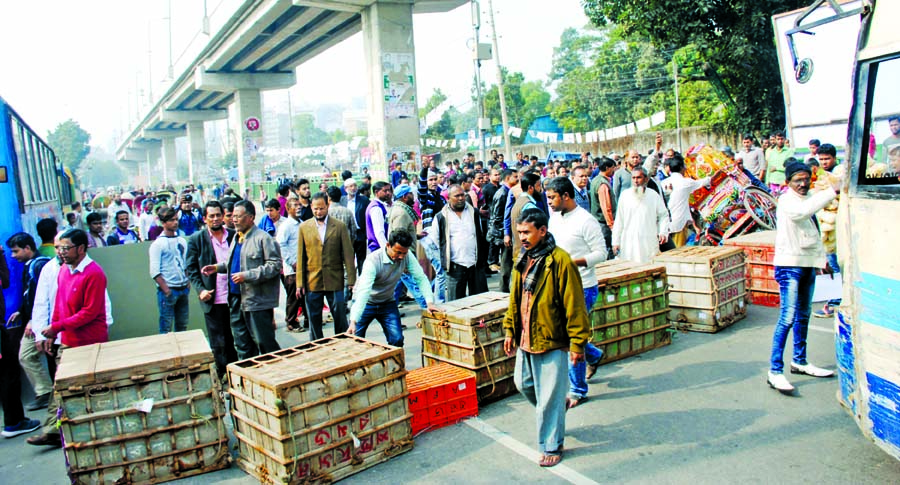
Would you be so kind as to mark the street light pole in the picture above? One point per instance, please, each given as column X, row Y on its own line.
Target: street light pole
column 476, row 25
column 503, row 115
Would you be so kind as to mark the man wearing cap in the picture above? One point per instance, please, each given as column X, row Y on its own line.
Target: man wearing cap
column 402, row 217
column 799, row 252
column 188, row 220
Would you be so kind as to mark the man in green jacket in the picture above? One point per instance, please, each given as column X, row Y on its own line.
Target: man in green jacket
column 547, row 320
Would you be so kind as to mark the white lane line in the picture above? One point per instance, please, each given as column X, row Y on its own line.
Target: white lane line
column 821, row 329
column 529, row 453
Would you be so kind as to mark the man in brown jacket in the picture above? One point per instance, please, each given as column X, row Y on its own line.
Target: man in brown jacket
column 324, row 254
column 547, row 320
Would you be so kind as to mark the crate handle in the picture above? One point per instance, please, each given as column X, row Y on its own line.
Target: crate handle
column 136, row 378
column 194, row 366
column 98, row 391
column 175, row 377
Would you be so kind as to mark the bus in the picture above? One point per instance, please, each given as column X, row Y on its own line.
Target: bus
column 33, row 185
column 867, row 323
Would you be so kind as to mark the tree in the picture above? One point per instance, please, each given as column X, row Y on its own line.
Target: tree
column 307, row 134
column 525, row 100
column 70, row 142
column 437, row 97
column 734, row 41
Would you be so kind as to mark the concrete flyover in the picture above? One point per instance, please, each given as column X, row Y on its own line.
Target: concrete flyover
column 259, row 48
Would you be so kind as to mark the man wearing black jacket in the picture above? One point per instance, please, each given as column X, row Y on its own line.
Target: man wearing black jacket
column 357, row 204
column 209, row 247
column 495, row 229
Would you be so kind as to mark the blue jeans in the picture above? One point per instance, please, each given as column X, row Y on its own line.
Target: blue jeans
column 578, row 386
column 407, row 282
column 797, row 285
column 388, row 315
column 173, row 310
column 439, row 284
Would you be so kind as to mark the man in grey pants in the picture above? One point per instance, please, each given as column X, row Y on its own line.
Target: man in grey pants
column 253, row 270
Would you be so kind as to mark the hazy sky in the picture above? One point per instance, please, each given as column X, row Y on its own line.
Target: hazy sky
column 86, row 60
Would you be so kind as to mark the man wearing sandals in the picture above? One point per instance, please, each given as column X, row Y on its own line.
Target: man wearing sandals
column 547, row 320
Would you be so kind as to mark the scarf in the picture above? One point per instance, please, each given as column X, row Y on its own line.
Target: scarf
column 533, row 272
column 409, row 210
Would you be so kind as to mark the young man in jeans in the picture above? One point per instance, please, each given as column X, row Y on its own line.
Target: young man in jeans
column 799, row 252
column 167, row 267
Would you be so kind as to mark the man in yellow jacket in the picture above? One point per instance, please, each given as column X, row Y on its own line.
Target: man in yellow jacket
column 547, row 320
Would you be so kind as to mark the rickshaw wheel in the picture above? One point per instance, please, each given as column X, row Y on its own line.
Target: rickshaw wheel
column 761, row 207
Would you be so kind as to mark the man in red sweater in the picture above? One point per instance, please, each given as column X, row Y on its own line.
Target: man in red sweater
column 79, row 313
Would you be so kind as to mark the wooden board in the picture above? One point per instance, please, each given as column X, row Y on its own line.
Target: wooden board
column 700, row 260
column 472, row 310
column 131, row 358
column 616, row 271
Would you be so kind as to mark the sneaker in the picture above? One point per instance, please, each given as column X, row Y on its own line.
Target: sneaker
column 24, row 426
column 780, row 383
column 811, row 370
column 40, row 402
column 825, row 312
column 591, row 370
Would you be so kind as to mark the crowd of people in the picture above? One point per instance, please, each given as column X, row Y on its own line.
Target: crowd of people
column 365, row 248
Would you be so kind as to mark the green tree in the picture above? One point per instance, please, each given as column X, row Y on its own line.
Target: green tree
column 70, row 142
column 525, row 100
column 734, row 42
column 437, row 97
column 307, row 134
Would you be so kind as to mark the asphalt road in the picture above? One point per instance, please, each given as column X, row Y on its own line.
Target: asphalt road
column 697, row 411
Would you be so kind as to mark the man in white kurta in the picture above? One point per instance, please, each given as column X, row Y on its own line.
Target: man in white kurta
column 642, row 221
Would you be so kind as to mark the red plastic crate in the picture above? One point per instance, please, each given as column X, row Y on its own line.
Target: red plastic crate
column 765, row 298
column 759, row 246
column 440, row 395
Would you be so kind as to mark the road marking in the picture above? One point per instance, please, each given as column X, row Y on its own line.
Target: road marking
column 524, row 450
column 821, row 329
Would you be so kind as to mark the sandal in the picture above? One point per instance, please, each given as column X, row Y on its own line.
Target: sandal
column 550, row 459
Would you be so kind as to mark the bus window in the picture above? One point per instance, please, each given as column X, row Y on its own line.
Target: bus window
column 881, row 157
column 22, row 161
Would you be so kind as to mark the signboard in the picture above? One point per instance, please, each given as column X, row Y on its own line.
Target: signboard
column 252, row 123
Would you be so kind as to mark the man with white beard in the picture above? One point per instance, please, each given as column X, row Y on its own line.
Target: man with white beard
column 642, row 221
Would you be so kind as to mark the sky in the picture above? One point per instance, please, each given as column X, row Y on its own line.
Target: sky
column 92, row 61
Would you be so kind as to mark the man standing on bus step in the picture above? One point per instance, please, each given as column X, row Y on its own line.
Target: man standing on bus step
column 547, row 322
column 799, row 253
column 24, row 250
column 286, row 237
column 253, row 268
column 47, row 229
column 121, row 234
column 96, row 239
column 21, row 246
column 168, row 269
column 206, row 248
column 79, row 314
column 324, row 253
column 579, row 234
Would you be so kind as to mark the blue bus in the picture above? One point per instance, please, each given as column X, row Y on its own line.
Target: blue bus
column 33, row 185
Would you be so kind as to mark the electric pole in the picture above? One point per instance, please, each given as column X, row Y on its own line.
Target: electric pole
column 476, row 25
column 677, row 105
column 500, row 89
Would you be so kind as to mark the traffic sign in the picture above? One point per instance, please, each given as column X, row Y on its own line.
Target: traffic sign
column 252, row 123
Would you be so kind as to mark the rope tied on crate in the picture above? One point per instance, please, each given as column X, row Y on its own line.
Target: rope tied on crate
column 486, row 362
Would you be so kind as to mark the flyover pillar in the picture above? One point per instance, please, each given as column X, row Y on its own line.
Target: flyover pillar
column 168, row 157
column 152, row 156
column 196, row 149
column 247, row 132
column 387, row 29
